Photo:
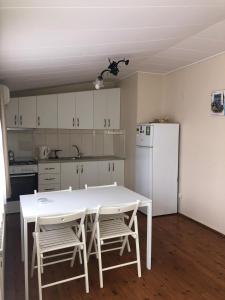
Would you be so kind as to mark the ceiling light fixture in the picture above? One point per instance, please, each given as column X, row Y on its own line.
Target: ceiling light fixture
column 112, row 69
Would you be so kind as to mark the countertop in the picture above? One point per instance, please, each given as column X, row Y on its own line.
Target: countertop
column 82, row 159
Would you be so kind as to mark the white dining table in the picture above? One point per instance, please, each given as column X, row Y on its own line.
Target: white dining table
column 62, row 202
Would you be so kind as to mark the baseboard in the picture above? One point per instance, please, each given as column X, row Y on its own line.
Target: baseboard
column 202, row 225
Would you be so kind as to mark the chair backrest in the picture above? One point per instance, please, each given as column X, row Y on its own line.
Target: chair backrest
column 119, row 209
column 99, row 186
column 60, row 219
column 67, row 190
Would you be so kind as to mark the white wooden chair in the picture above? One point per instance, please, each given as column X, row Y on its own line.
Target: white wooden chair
column 56, row 240
column 113, row 229
column 58, row 226
column 105, row 217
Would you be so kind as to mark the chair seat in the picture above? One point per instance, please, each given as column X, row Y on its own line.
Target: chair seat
column 57, row 239
column 58, row 226
column 114, row 228
column 113, row 216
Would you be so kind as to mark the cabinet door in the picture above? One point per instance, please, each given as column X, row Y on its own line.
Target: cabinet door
column 113, row 108
column 27, row 112
column 100, row 114
column 84, row 110
column 105, row 175
column 89, row 174
column 117, row 167
column 47, row 109
column 66, row 111
column 12, row 113
column 69, row 175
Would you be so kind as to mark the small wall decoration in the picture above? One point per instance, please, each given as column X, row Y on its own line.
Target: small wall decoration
column 217, row 103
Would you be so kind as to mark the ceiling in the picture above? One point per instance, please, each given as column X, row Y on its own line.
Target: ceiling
column 51, row 42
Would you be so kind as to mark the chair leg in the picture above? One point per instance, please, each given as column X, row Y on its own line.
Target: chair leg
column 33, row 259
column 80, row 256
column 42, row 268
column 137, row 248
column 128, row 245
column 99, row 259
column 73, row 257
column 85, row 261
column 125, row 241
column 39, row 275
column 90, row 244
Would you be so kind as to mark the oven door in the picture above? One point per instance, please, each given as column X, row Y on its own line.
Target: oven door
column 23, row 184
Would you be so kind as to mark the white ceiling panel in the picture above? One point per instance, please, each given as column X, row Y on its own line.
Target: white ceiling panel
column 52, row 42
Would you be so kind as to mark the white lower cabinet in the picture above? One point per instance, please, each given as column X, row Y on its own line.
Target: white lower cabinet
column 92, row 173
column 111, row 171
column 60, row 176
column 77, row 175
column 69, row 175
column 48, row 177
column 89, row 173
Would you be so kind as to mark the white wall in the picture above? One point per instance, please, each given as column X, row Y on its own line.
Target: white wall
column 202, row 153
column 128, row 122
column 141, row 96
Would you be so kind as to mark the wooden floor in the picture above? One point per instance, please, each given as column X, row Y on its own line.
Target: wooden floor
column 188, row 263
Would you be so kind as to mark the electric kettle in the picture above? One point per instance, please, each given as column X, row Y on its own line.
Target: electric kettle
column 44, row 152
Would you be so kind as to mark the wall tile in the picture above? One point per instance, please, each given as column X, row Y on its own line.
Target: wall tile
column 98, row 144
column 87, row 144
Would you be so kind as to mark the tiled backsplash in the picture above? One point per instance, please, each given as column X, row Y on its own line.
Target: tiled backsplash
column 90, row 142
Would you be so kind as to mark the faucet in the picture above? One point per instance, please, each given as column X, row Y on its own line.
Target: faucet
column 78, row 151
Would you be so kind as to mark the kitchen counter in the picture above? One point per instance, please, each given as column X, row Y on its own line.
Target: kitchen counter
column 84, row 158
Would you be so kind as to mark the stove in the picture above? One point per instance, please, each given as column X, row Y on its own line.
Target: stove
column 24, row 180
column 23, row 166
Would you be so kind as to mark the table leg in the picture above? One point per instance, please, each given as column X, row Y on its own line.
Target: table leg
column 22, row 237
column 25, row 224
column 149, row 237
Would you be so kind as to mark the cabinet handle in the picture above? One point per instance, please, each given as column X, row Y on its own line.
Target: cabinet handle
column 105, row 123
column 39, row 121
column 49, row 168
column 21, row 120
column 15, row 120
column 109, row 167
column 113, row 168
column 73, row 121
column 77, row 170
column 82, row 169
column 50, row 178
column 109, row 123
column 78, row 122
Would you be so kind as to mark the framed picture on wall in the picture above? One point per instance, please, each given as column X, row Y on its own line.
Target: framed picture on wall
column 217, row 103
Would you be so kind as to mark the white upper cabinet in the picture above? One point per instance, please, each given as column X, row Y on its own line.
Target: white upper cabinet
column 27, row 112
column 100, row 112
column 107, row 109
column 21, row 112
column 113, row 108
column 84, row 110
column 80, row 110
column 66, row 111
column 11, row 111
column 47, row 111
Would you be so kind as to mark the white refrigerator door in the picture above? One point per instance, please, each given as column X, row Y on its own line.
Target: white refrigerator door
column 165, row 168
column 143, row 175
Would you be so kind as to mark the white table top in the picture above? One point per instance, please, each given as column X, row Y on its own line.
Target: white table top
column 70, row 201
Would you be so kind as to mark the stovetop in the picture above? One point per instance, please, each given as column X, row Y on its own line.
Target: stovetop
column 23, row 162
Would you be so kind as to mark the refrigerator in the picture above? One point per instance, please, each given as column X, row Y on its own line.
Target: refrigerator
column 156, row 165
